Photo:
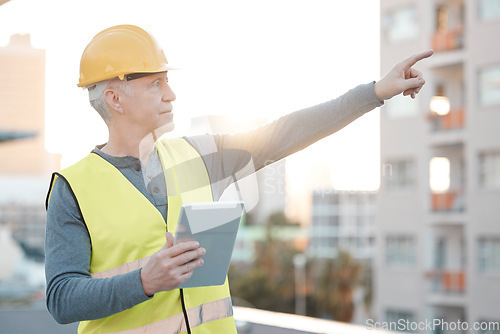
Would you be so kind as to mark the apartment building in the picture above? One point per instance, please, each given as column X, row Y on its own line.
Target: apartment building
column 22, row 110
column 343, row 220
column 438, row 255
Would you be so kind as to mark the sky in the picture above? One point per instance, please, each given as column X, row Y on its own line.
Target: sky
column 256, row 58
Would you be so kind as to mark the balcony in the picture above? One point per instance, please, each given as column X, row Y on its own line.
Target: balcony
column 449, row 201
column 452, row 282
column 446, row 287
column 453, row 120
column 449, row 25
column 448, row 40
column 447, row 315
column 446, row 117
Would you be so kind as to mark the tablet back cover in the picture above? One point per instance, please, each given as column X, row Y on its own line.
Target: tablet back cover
column 215, row 228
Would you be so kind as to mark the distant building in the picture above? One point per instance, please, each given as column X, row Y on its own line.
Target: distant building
column 11, row 254
column 343, row 220
column 438, row 254
column 22, row 109
column 25, row 165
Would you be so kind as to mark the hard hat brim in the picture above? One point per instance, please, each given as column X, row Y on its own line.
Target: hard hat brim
column 121, row 76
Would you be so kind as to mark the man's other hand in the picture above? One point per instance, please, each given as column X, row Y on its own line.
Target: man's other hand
column 402, row 78
column 171, row 266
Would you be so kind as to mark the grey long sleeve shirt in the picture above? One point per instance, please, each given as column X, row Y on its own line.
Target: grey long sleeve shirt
column 73, row 295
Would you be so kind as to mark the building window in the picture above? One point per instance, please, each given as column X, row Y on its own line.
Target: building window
column 397, row 320
column 400, row 251
column 439, row 172
column 489, row 170
column 399, row 174
column 489, row 255
column 489, row 85
column 401, row 25
column 333, row 200
column 489, row 9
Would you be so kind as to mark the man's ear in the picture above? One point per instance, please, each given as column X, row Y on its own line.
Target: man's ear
column 113, row 99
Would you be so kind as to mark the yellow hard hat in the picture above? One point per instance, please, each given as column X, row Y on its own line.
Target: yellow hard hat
column 118, row 51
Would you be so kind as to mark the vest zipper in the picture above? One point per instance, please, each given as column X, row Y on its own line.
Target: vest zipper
column 185, row 312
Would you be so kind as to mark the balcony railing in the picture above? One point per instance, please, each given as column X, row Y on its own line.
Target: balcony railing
column 455, row 119
column 450, row 201
column 447, row 40
column 447, row 282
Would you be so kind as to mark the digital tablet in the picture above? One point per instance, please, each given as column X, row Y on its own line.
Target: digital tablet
column 214, row 225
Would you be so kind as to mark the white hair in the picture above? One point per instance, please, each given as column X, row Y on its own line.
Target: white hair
column 96, row 96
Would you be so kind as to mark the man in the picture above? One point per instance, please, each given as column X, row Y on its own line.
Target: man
column 107, row 262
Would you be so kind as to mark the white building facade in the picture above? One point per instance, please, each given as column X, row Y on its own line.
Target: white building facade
column 342, row 220
column 438, row 229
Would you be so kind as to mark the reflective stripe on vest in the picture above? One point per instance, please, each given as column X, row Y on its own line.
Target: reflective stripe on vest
column 199, row 315
column 126, row 229
column 123, row 269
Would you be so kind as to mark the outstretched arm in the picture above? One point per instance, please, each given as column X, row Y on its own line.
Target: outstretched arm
column 300, row 129
column 227, row 154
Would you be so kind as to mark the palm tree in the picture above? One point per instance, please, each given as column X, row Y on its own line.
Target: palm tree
column 337, row 279
column 268, row 283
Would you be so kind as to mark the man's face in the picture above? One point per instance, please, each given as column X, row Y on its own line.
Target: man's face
column 148, row 103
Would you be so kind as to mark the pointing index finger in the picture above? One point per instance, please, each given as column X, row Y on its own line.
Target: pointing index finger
column 412, row 60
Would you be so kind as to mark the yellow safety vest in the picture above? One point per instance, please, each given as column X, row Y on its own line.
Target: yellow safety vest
column 126, row 229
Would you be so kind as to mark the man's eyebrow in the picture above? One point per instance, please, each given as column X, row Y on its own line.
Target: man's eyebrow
column 159, row 76
column 153, row 78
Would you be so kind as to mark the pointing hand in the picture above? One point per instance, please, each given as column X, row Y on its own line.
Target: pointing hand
column 402, row 78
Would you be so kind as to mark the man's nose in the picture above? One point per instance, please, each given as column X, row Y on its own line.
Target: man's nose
column 169, row 94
